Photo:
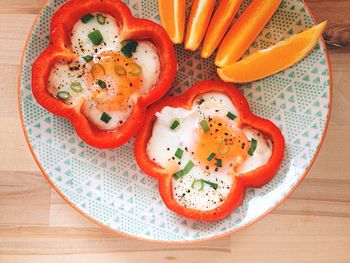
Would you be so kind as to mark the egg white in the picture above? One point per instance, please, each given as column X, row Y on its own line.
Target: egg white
column 82, row 45
column 164, row 142
column 62, row 76
column 261, row 154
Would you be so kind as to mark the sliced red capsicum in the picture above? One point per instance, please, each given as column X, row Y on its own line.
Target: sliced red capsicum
column 59, row 49
column 254, row 178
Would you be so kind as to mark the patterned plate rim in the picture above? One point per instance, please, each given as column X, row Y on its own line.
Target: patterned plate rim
column 266, row 213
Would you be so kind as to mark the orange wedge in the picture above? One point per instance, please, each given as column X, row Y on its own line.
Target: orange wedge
column 172, row 15
column 219, row 25
column 274, row 59
column 198, row 22
column 245, row 30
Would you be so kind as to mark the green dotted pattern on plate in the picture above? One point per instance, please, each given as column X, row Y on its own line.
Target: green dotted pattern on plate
column 108, row 186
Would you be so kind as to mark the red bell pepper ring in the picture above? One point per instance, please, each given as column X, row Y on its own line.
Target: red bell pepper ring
column 255, row 178
column 59, row 49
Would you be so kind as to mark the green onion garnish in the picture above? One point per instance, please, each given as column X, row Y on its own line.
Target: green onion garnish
column 85, row 19
column 76, row 86
column 179, row 153
column 102, row 84
column 63, row 95
column 231, row 116
column 223, row 148
column 204, row 125
column 184, row 171
column 175, row 124
column 88, row 58
column 101, row 19
column 198, row 184
column 124, row 42
column 105, row 117
column 253, row 144
column 218, row 162
column 137, row 69
column 120, row 70
column 95, row 37
column 129, row 47
column 211, row 156
column 211, row 184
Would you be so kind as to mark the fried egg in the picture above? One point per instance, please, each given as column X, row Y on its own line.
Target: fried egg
column 204, row 148
column 104, row 80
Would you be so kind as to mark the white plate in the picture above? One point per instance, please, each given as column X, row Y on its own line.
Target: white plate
column 109, row 188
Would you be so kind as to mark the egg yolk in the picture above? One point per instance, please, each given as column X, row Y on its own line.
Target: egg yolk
column 121, row 78
column 222, row 145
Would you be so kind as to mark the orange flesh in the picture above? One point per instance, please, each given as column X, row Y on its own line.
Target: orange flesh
column 198, row 22
column 125, row 85
column 219, row 24
column 229, row 144
column 245, row 30
column 274, row 59
column 172, row 15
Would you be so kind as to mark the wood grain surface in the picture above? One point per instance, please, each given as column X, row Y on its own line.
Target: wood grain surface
column 312, row 225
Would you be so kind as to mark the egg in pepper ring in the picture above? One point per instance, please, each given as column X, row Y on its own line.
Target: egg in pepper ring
column 205, row 147
column 102, row 69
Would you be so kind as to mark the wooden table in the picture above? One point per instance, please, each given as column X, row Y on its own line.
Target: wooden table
column 313, row 225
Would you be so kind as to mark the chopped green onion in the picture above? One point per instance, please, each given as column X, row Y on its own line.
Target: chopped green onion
column 223, row 148
column 102, row 84
column 63, row 95
column 184, row 171
column 76, row 87
column 129, row 47
column 175, row 124
column 198, row 184
column 218, row 162
column 204, row 125
column 211, row 156
column 88, row 58
column 85, row 19
column 101, row 19
column 137, row 69
column 252, row 148
column 211, row 184
column 105, row 117
column 179, row 153
column 95, row 37
column 231, row 116
column 120, row 70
